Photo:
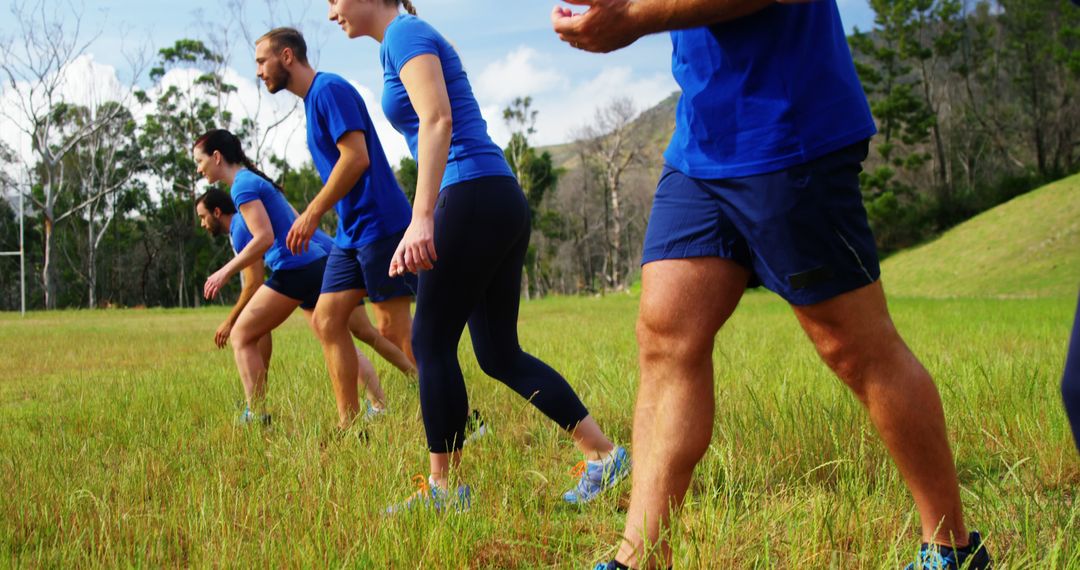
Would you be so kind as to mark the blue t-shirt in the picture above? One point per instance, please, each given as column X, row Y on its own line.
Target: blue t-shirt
column 472, row 154
column 239, row 234
column 322, row 240
column 376, row 207
column 248, row 187
column 765, row 92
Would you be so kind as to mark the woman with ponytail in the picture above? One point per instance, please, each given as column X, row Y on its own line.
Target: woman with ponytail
column 467, row 241
column 258, row 233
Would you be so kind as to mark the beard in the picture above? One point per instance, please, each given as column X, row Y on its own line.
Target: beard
column 276, row 79
column 216, row 227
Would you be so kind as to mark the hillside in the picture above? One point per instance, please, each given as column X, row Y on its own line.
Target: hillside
column 655, row 123
column 1027, row 247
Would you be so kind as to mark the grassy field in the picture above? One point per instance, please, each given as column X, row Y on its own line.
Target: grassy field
column 118, row 448
column 1027, row 247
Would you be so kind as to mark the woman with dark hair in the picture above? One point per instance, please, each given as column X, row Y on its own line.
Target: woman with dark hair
column 468, row 251
column 258, row 234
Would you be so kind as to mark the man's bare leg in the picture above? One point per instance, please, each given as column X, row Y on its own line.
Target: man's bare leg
column 855, row 336
column 330, row 322
column 684, row 302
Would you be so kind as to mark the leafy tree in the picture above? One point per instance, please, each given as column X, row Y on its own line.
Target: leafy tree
column 182, row 112
column 537, row 176
column 407, row 175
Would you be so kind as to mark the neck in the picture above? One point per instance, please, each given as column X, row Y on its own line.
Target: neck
column 230, row 173
column 300, row 80
column 226, row 219
column 382, row 20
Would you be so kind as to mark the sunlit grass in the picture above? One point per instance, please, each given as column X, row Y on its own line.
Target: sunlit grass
column 118, row 448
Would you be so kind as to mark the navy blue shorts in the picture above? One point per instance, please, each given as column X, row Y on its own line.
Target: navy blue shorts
column 802, row 231
column 302, row 283
column 368, row 267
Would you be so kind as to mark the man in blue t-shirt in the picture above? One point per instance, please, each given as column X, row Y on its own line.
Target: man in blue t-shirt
column 360, row 186
column 760, row 187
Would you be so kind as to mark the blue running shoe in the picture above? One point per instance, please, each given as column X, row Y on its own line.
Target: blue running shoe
column 372, row 413
column 596, row 476
column 475, row 428
column 428, row 495
column 936, row 557
column 248, row 417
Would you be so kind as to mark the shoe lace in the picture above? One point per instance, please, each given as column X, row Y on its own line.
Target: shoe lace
column 579, row 469
column 932, row 560
column 421, row 483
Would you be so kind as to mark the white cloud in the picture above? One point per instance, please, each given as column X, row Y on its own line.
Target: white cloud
column 522, row 72
column 83, row 82
column 86, row 82
column 564, row 105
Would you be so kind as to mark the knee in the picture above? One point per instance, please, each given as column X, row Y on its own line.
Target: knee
column 395, row 330
column 859, row 362
column 325, row 324
column 243, row 337
column 497, row 363
column 662, row 339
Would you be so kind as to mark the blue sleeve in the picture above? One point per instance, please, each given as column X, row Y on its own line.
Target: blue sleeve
column 338, row 104
column 411, row 38
column 240, row 236
column 243, row 191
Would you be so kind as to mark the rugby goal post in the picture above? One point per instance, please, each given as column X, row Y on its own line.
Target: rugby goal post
column 21, row 252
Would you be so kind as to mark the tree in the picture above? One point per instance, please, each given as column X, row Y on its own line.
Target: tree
column 103, row 171
column 183, row 111
column 35, row 68
column 903, row 117
column 407, row 175
column 537, row 176
column 611, row 147
column 1043, row 49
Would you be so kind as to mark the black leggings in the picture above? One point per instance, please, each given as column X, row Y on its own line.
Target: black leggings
column 1070, row 382
column 481, row 235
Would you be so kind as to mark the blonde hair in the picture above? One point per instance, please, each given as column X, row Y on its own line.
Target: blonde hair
column 407, row 4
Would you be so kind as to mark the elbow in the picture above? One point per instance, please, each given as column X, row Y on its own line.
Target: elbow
column 439, row 124
column 261, row 243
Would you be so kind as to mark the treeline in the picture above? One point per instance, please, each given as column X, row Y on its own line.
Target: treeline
column 975, row 103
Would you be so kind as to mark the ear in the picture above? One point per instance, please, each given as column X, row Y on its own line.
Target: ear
column 217, row 157
column 287, row 57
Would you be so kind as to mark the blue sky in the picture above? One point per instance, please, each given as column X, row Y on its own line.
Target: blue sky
column 507, row 46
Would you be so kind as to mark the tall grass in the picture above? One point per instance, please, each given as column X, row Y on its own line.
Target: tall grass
column 118, row 448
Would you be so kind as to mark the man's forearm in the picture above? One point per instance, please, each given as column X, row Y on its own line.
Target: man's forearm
column 344, row 176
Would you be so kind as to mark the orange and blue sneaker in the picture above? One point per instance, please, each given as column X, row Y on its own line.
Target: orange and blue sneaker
column 372, row 413
column 248, row 417
column 597, row 476
column 937, row 557
column 428, row 495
